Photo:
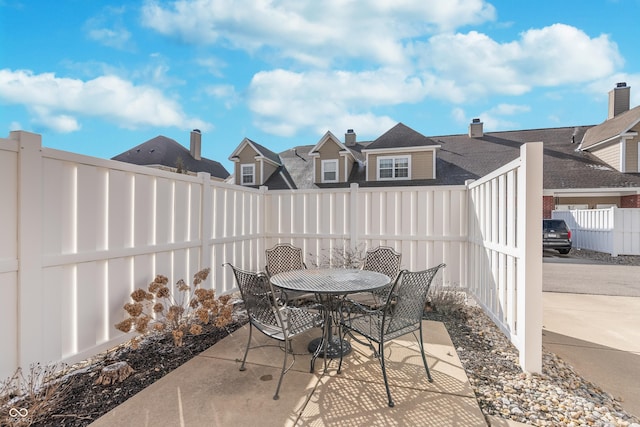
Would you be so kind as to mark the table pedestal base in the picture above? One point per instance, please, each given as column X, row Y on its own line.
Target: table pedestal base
column 333, row 347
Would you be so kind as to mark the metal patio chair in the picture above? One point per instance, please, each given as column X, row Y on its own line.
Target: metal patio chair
column 268, row 315
column 385, row 260
column 286, row 257
column 401, row 314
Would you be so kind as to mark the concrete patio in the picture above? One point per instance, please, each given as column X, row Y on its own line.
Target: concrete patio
column 209, row 390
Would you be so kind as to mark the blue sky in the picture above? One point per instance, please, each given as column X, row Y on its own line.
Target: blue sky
column 100, row 77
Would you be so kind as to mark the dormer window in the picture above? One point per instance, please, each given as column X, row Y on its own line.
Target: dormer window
column 330, row 170
column 248, row 173
column 397, row 167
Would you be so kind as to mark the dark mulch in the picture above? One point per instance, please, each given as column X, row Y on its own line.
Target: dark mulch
column 84, row 401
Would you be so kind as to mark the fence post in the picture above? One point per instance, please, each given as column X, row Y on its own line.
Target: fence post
column 30, row 296
column 263, row 217
column 353, row 220
column 529, row 295
column 616, row 231
column 206, row 222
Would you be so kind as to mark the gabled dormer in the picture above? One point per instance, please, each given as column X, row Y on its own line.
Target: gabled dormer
column 401, row 154
column 332, row 160
column 253, row 163
column 616, row 141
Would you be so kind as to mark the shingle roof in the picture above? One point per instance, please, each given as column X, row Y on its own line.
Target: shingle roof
column 296, row 172
column 401, row 136
column 166, row 152
column 611, row 128
column 461, row 158
column 265, row 152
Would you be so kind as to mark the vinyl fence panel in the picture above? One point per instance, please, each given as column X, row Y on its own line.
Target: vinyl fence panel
column 615, row 231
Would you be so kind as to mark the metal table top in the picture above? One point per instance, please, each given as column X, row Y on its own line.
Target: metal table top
column 330, row 280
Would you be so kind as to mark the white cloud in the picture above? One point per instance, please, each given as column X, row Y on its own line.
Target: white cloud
column 157, row 72
column 61, row 123
column 459, row 115
column 551, row 56
column 58, row 102
column 225, row 92
column 108, row 29
column 601, row 87
column 286, row 102
column 563, row 54
column 410, row 52
column 314, row 32
column 494, row 118
column 212, row 65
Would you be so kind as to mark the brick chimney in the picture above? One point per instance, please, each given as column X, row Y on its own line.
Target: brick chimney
column 350, row 138
column 619, row 99
column 196, row 144
column 475, row 129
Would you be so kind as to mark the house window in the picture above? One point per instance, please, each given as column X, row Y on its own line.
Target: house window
column 329, row 171
column 248, row 174
column 394, row 167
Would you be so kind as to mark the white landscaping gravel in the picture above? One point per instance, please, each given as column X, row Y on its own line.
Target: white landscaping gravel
column 557, row 397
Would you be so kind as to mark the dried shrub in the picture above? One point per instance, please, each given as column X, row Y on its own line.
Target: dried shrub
column 156, row 310
column 30, row 399
column 446, row 300
column 342, row 257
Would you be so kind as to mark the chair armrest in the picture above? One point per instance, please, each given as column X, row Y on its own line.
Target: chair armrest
column 355, row 308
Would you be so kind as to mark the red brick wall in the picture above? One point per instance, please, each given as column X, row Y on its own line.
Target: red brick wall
column 630, row 201
column 547, row 206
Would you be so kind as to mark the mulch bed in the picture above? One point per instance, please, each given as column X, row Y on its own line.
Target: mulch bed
column 84, row 401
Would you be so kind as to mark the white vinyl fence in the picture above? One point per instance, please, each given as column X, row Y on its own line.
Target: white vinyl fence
column 78, row 234
column 427, row 225
column 613, row 230
column 505, row 262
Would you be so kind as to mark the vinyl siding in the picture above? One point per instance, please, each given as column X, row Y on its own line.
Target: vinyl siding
column 247, row 156
column 421, row 164
column 330, row 151
column 632, row 155
column 610, row 155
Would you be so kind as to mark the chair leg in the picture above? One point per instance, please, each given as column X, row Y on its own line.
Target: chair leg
column 424, row 358
column 384, row 374
column 287, row 344
column 341, row 334
column 246, row 351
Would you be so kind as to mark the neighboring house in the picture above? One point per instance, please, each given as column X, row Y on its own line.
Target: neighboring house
column 255, row 166
column 165, row 153
column 616, row 141
column 400, row 154
column 575, row 175
column 332, row 160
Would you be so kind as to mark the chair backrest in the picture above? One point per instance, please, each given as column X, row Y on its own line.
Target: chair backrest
column 284, row 257
column 383, row 260
column 257, row 295
column 406, row 302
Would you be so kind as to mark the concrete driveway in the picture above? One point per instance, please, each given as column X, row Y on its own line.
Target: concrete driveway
column 562, row 273
column 591, row 319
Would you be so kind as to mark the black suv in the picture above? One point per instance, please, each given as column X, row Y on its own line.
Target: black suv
column 556, row 235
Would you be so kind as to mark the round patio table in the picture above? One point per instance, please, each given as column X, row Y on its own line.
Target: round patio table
column 329, row 284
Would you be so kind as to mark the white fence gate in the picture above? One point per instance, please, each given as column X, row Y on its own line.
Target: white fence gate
column 614, row 230
column 78, row 234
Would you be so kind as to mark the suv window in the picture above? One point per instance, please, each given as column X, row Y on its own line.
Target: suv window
column 554, row 224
